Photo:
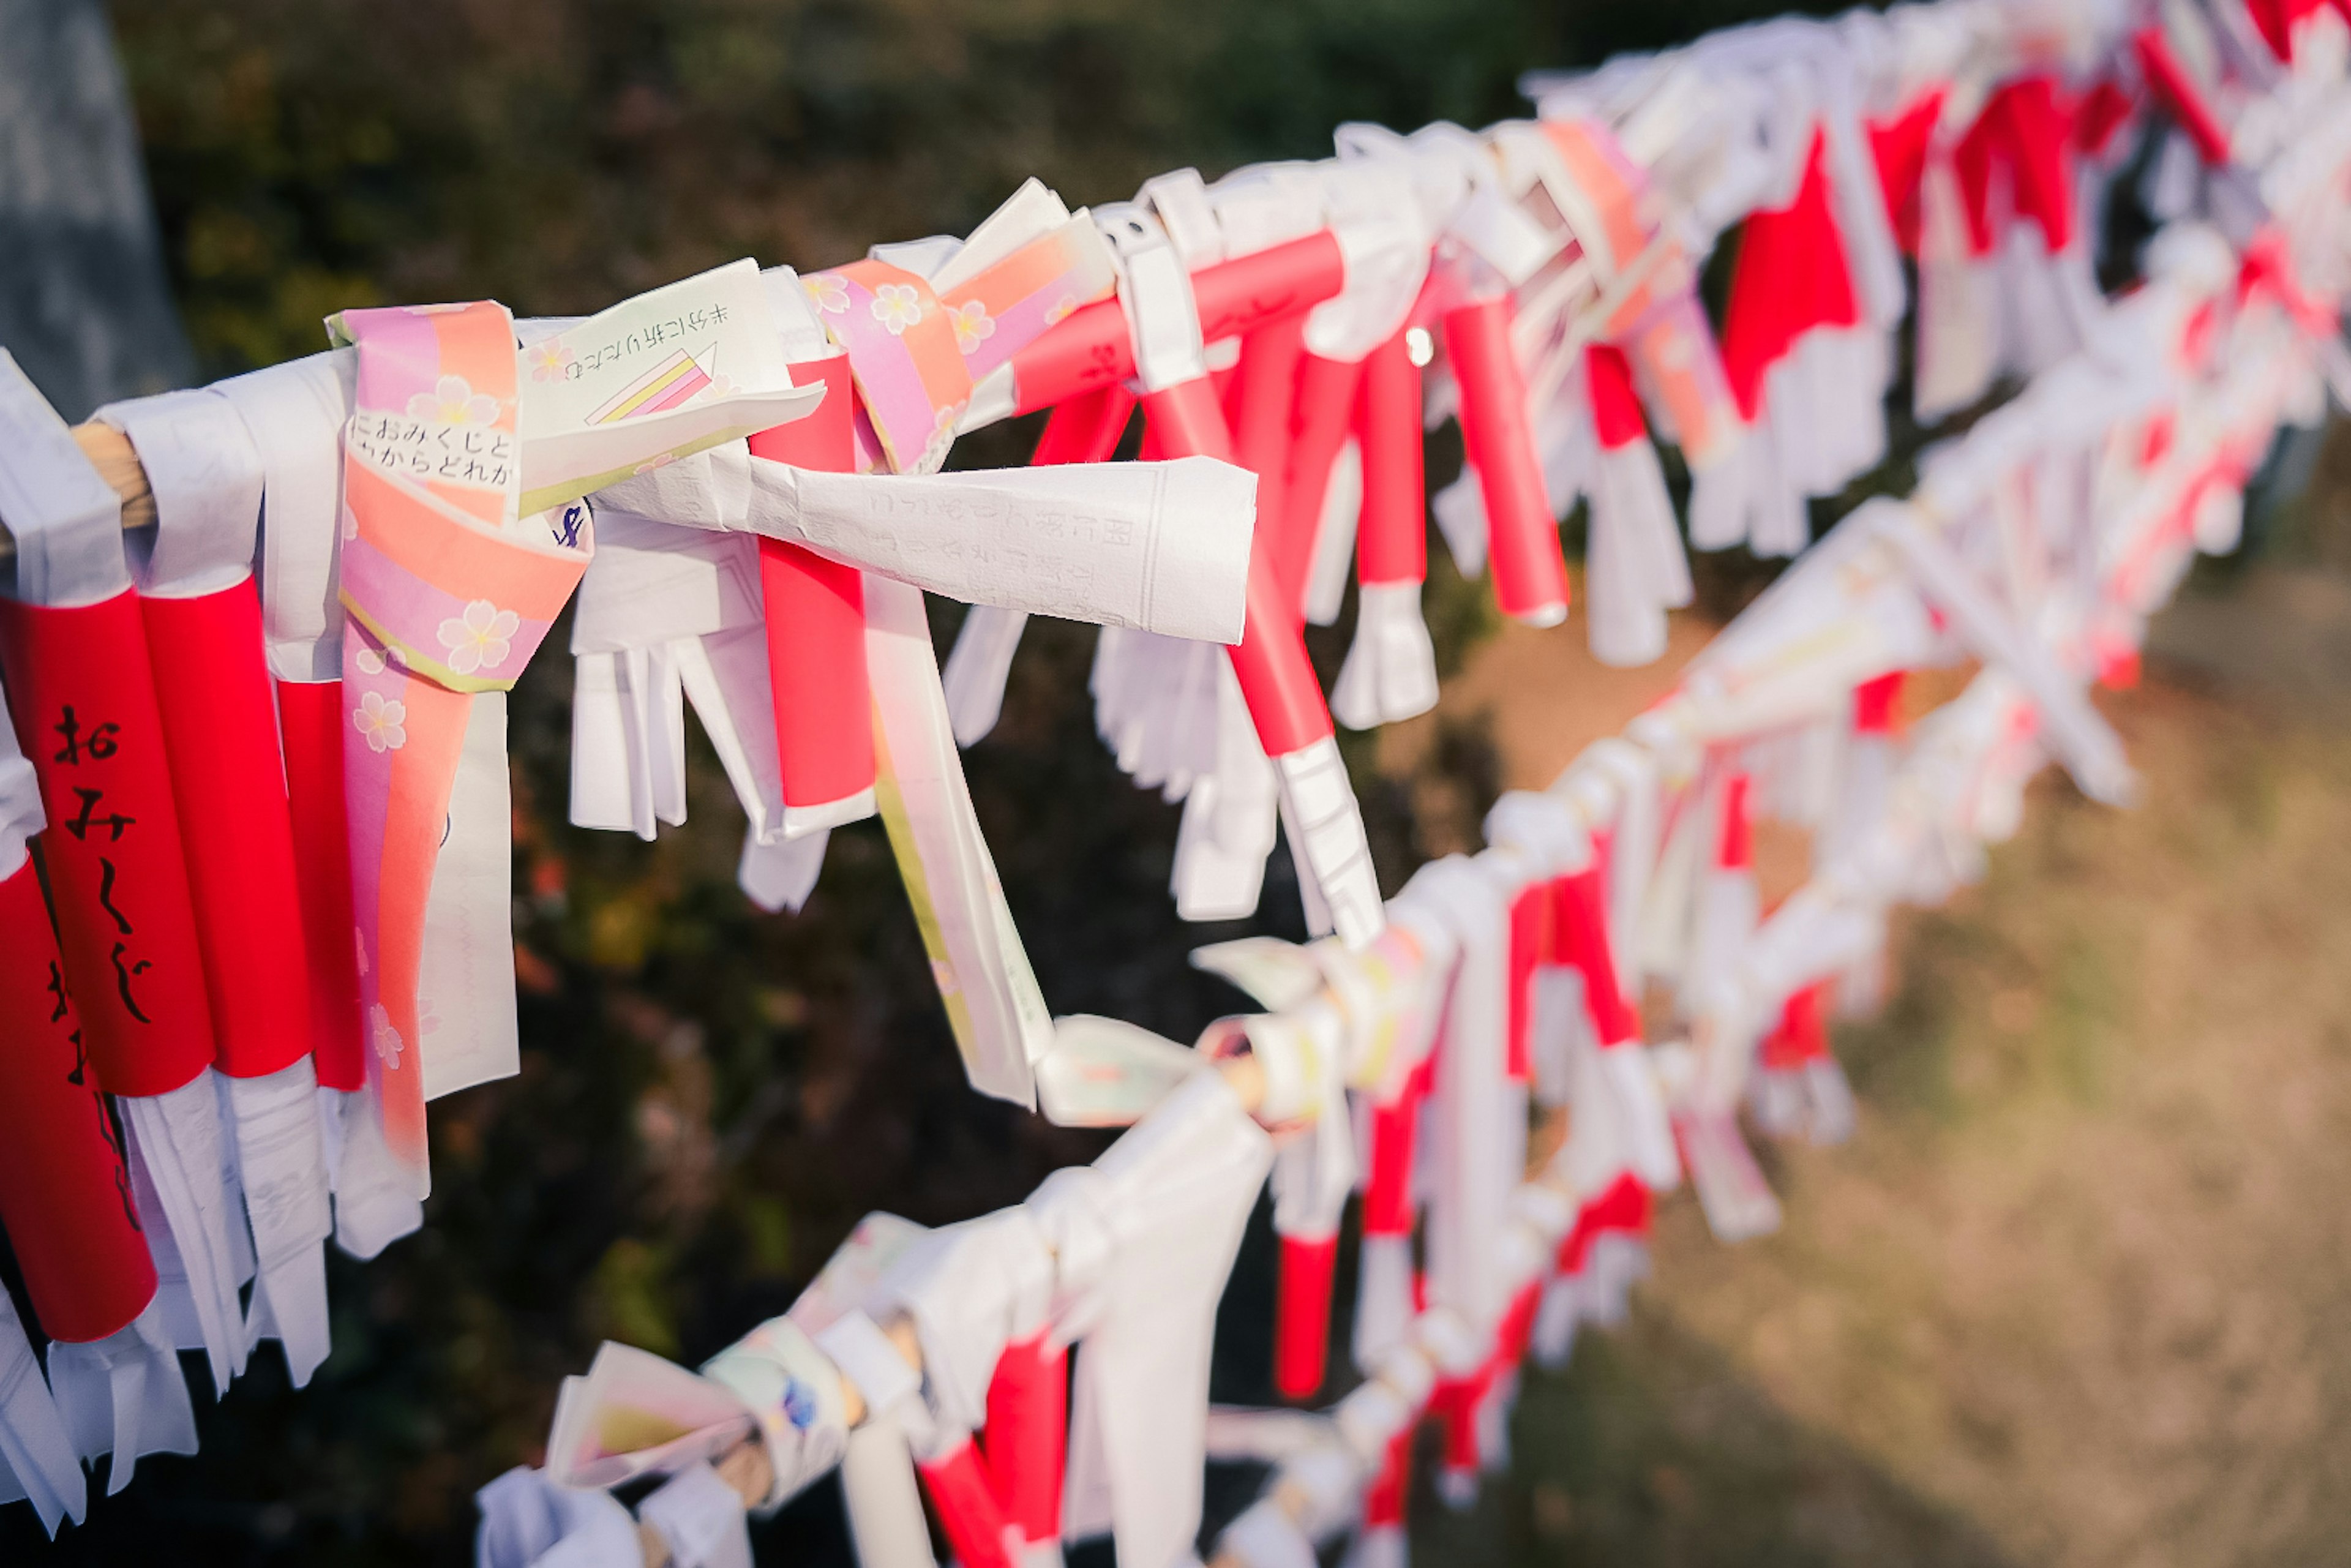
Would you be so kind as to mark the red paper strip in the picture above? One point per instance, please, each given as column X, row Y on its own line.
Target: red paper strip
column 1319, row 416
column 815, row 612
column 1391, row 536
column 1529, row 568
column 1302, row 1314
column 212, row 683
column 1027, row 1436
column 1262, row 401
column 311, row 717
column 968, row 1511
column 84, row 701
column 65, row 1187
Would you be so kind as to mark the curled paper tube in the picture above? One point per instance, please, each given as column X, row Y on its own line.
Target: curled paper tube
column 816, row 635
column 65, row 1179
column 1529, row 568
column 1321, row 419
column 1302, row 1314
column 1026, row 1436
column 1093, row 348
column 1263, row 400
column 1392, row 537
column 310, row 725
column 214, row 691
column 84, row 702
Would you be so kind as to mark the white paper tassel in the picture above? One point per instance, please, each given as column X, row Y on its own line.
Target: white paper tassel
column 36, row 1453
column 700, row 1519
column 1958, row 321
column 1229, row 815
column 375, row 1206
column 176, row 1154
column 124, row 1395
column 1477, row 1155
column 528, row 1521
column 1460, row 509
column 1634, row 568
column 977, row 668
column 1736, row 1200
column 1384, row 1308
column 1144, row 1237
column 1324, row 825
column 1556, row 1316
column 1390, row 673
column 781, row 875
column 283, row 1172
column 1334, row 538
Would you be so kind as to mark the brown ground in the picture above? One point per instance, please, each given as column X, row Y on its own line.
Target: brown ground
column 2079, row 1292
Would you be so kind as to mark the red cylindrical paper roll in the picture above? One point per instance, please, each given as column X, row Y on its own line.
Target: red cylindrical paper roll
column 1320, row 415
column 968, row 1511
column 1802, row 1034
column 1518, row 1325
column 84, row 701
column 1285, row 700
column 1581, row 938
column 1383, row 1500
column 212, row 686
column 1027, row 1435
column 1091, row 347
column 311, row 718
column 65, row 1189
column 1240, row 296
column 1530, row 945
column 1622, row 1209
column 1086, row 429
column 1529, row 568
column 815, row 612
column 1391, row 536
column 1454, row 1407
column 1087, row 351
column 1387, row 1191
column 1301, row 1314
column 1616, row 411
column 1277, row 680
column 1184, row 421
column 1263, row 399
column 1874, row 703
column 1737, row 848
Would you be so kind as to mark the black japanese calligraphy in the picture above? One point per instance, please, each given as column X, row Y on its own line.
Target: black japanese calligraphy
column 105, row 896
column 123, row 974
column 100, row 745
column 79, row 826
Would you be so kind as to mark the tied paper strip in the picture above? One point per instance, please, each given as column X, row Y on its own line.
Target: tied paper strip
column 999, row 1014
column 912, row 381
column 74, row 649
column 674, row 371
column 917, row 343
column 204, row 637
column 449, row 593
column 1658, row 321
column 36, row 1453
column 65, row 1180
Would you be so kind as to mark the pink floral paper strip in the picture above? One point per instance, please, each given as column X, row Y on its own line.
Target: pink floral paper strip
column 448, row 593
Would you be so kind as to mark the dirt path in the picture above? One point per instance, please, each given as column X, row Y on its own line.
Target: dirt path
column 2080, row 1290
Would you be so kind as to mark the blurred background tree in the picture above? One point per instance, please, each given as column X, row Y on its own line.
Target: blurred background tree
column 710, row 1097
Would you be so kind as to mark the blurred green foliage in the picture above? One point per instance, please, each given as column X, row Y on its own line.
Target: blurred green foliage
column 709, row 1097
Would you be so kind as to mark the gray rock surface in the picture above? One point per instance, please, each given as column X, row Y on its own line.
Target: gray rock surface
column 84, row 302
